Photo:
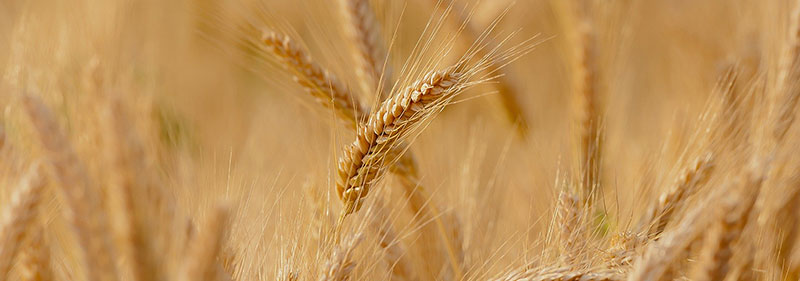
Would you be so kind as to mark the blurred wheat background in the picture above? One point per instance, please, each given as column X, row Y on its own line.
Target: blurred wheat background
column 494, row 140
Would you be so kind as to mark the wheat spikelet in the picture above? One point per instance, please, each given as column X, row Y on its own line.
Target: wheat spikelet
column 660, row 214
column 734, row 216
column 201, row 261
column 570, row 228
column 34, row 264
column 364, row 161
column 17, row 217
column 83, row 205
column 319, row 83
column 340, row 265
column 369, row 52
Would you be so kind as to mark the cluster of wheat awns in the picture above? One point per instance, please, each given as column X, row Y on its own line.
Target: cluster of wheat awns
column 738, row 230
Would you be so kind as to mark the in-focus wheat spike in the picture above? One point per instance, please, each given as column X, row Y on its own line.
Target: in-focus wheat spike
column 570, row 227
column 319, row 83
column 714, row 263
column 369, row 52
column 201, row 260
column 340, row 265
column 785, row 100
column 586, row 97
column 661, row 212
column 34, row 260
column 83, row 209
column 17, row 217
column 364, row 161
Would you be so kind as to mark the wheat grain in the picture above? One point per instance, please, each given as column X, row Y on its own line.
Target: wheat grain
column 569, row 223
column 788, row 93
column 83, row 205
column 17, row 217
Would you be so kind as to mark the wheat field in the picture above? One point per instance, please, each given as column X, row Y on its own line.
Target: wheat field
column 559, row 140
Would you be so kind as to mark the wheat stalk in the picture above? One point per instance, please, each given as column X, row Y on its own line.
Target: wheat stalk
column 201, row 260
column 17, row 217
column 319, row 83
column 83, row 205
column 369, row 52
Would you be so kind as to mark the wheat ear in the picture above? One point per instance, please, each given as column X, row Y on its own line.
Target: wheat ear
column 660, row 255
column 17, row 217
column 788, row 93
column 133, row 197
column 340, row 265
column 201, row 260
column 659, row 214
column 34, row 264
column 319, row 83
column 83, row 209
column 570, row 228
column 586, row 97
column 717, row 250
column 369, row 52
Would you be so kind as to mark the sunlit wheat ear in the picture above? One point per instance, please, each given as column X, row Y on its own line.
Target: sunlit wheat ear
column 734, row 215
column 83, row 206
column 201, row 261
column 17, row 217
column 340, row 265
column 34, row 260
column 312, row 77
column 364, row 161
column 661, row 212
column 785, row 99
column 570, row 228
column 368, row 48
